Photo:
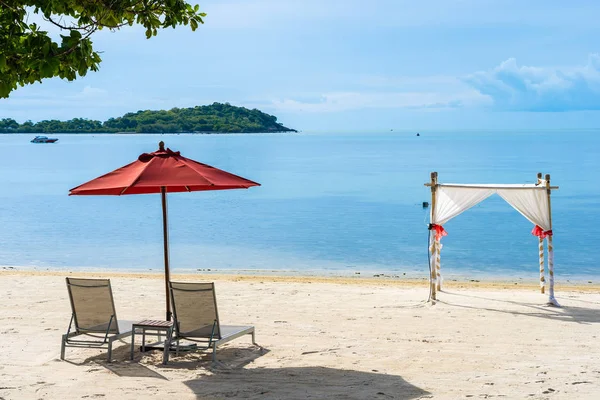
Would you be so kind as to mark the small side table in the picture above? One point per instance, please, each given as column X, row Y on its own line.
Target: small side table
column 155, row 327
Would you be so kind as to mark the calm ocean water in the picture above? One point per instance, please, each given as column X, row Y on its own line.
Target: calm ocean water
column 329, row 203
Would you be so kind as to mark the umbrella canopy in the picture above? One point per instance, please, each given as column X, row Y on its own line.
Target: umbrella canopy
column 163, row 171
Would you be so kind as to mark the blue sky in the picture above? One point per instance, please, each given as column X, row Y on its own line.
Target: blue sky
column 346, row 65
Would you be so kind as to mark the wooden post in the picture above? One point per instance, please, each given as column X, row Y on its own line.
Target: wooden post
column 163, row 195
column 541, row 251
column 551, row 299
column 433, row 277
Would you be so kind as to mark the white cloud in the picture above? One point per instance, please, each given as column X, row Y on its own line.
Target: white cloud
column 90, row 92
column 524, row 88
column 343, row 101
column 406, row 81
column 36, row 102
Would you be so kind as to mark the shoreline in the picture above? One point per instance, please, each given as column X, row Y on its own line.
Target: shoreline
column 383, row 281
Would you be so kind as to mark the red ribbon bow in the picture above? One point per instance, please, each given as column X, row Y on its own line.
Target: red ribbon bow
column 439, row 231
column 539, row 232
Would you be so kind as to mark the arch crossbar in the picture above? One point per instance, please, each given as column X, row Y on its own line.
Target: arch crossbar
column 530, row 200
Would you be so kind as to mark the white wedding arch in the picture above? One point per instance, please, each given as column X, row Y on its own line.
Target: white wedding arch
column 531, row 200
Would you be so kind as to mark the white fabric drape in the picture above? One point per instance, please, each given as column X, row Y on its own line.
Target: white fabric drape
column 452, row 201
column 531, row 203
column 529, row 200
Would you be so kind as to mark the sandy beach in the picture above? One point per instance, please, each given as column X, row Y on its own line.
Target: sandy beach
column 322, row 338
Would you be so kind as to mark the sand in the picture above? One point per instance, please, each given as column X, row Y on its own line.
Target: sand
column 322, row 338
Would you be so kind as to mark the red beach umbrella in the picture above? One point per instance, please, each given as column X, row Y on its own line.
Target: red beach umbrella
column 163, row 171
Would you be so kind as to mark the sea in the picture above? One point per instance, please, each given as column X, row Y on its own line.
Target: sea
column 341, row 204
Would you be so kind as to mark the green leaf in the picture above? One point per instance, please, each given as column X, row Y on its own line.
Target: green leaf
column 83, row 68
column 47, row 70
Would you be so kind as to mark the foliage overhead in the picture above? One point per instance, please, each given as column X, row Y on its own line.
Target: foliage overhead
column 29, row 54
column 216, row 118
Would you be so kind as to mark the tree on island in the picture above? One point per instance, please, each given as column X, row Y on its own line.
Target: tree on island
column 28, row 54
column 215, row 118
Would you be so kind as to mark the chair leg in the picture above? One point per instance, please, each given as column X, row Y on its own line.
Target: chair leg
column 214, row 353
column 167, row 346
column 110, row 342
column 132, row 344
column 254, row 339
column 62, row 347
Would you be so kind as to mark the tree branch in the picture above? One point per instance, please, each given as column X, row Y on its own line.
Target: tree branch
column 68, row 28
column 7, row 5
column 72, row 49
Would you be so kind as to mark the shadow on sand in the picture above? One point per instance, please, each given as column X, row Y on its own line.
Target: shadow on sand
column 230, row 358
column 121, row 365
column 303, row 383
column 579, row 315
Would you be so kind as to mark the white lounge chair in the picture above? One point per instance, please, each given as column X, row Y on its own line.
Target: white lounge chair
column 196, row 318
column 93, row 315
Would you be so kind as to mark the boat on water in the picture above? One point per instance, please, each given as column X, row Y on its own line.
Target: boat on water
column 43, row 139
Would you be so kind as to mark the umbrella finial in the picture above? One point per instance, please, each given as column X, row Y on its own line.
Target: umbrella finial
column 161, row 146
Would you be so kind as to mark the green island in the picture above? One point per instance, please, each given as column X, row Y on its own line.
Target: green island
column 214, row 118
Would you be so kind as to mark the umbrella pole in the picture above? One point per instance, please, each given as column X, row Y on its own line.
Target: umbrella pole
column 163, row 195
